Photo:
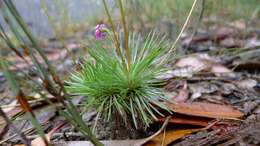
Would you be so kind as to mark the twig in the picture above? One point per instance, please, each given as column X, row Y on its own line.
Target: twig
column 164, row 135
column 115, row 36
column 18, row 105
column 184, row 26
column 155, row 134
column 181, row 32
column 197, row 25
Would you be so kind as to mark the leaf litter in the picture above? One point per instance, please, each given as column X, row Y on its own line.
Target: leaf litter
column 215, row 88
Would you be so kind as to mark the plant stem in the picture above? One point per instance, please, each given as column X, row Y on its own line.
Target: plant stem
column 115, row 36
column 30, row 36
column 182, row 30
column 197, row 25
column 128, row 56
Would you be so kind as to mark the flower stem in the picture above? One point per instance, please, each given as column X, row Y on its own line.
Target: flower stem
column 125, row 32
column 115, row 36
column 184, row 25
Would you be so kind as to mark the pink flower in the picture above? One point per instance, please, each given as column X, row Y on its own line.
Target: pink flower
column 100, row 31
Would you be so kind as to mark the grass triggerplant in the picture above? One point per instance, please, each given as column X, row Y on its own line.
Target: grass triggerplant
column 112, row 88
column 122, row 80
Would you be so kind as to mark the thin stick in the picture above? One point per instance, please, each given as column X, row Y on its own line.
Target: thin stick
column 155, row 134
column 197, row 25
column 182, row 30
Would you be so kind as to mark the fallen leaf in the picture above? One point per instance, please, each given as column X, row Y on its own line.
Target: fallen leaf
column 24, row 102
column 248, row 84
column 187, row 120
column 195, row 62
column 206, row 110
column 170, row 136
column 219, row 69
column 179, row 72
column 198, row 63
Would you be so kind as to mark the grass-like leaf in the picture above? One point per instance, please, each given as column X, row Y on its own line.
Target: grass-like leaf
column 110, row 88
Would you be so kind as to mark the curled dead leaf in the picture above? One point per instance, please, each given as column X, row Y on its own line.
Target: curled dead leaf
column 206, row 110
column 188, row 120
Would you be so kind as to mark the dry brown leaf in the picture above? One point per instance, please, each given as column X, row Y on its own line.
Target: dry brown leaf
column 188, row 120
column 170, row 136
column 206, row 110
column 24, row 102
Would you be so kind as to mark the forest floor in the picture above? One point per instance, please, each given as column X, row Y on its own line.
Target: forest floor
column 219, row 65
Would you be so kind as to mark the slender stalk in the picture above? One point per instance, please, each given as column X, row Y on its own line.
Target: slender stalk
column 23, row 25
column 47, row 82
column 182, row 30
column 6, row 39
column 115, row 36
column 197, row 24
column 15, row 88
column 126, row 34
